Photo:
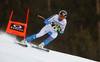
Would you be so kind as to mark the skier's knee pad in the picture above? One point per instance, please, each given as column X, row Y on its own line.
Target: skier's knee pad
column 48, row 40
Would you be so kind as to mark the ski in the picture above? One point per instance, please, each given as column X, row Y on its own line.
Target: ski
column 24, row 45
column 34, row 46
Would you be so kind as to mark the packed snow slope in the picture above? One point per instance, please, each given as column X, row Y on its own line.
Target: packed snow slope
column 11, row 52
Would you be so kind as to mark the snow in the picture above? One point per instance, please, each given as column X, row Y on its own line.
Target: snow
column 11, row 52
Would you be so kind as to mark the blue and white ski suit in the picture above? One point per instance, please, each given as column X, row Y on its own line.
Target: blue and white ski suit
column 50, row 28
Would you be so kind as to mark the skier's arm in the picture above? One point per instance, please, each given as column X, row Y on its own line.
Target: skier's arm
column 63, row 28
column 47, row 20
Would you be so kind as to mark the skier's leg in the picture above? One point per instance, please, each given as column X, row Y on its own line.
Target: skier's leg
column 52, row 37
column 42, row 32
column 49, row 39
column 28, row 39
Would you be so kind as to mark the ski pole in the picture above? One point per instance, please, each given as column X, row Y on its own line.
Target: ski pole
column 41, row 17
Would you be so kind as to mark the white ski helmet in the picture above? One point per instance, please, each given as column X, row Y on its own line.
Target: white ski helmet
column 63, row 12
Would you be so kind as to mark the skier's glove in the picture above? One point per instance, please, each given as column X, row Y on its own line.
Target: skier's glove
column 59, row 29
column 55, row 26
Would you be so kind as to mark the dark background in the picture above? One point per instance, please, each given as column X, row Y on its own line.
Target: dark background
column 81, row 36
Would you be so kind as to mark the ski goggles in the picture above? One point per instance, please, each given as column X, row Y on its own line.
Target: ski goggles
column 61, row 16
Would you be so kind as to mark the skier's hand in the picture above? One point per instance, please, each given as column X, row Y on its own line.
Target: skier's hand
column 55, row 26
column 59, row 29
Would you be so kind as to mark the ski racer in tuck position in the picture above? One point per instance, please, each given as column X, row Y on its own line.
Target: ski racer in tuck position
column 54, row 24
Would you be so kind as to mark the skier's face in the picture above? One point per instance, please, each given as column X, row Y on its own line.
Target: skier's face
column 61, row 17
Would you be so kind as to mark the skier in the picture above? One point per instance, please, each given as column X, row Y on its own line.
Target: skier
column 54, row 23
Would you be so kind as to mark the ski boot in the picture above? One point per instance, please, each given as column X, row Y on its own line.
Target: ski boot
column 24, row 41
column 41, row 45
